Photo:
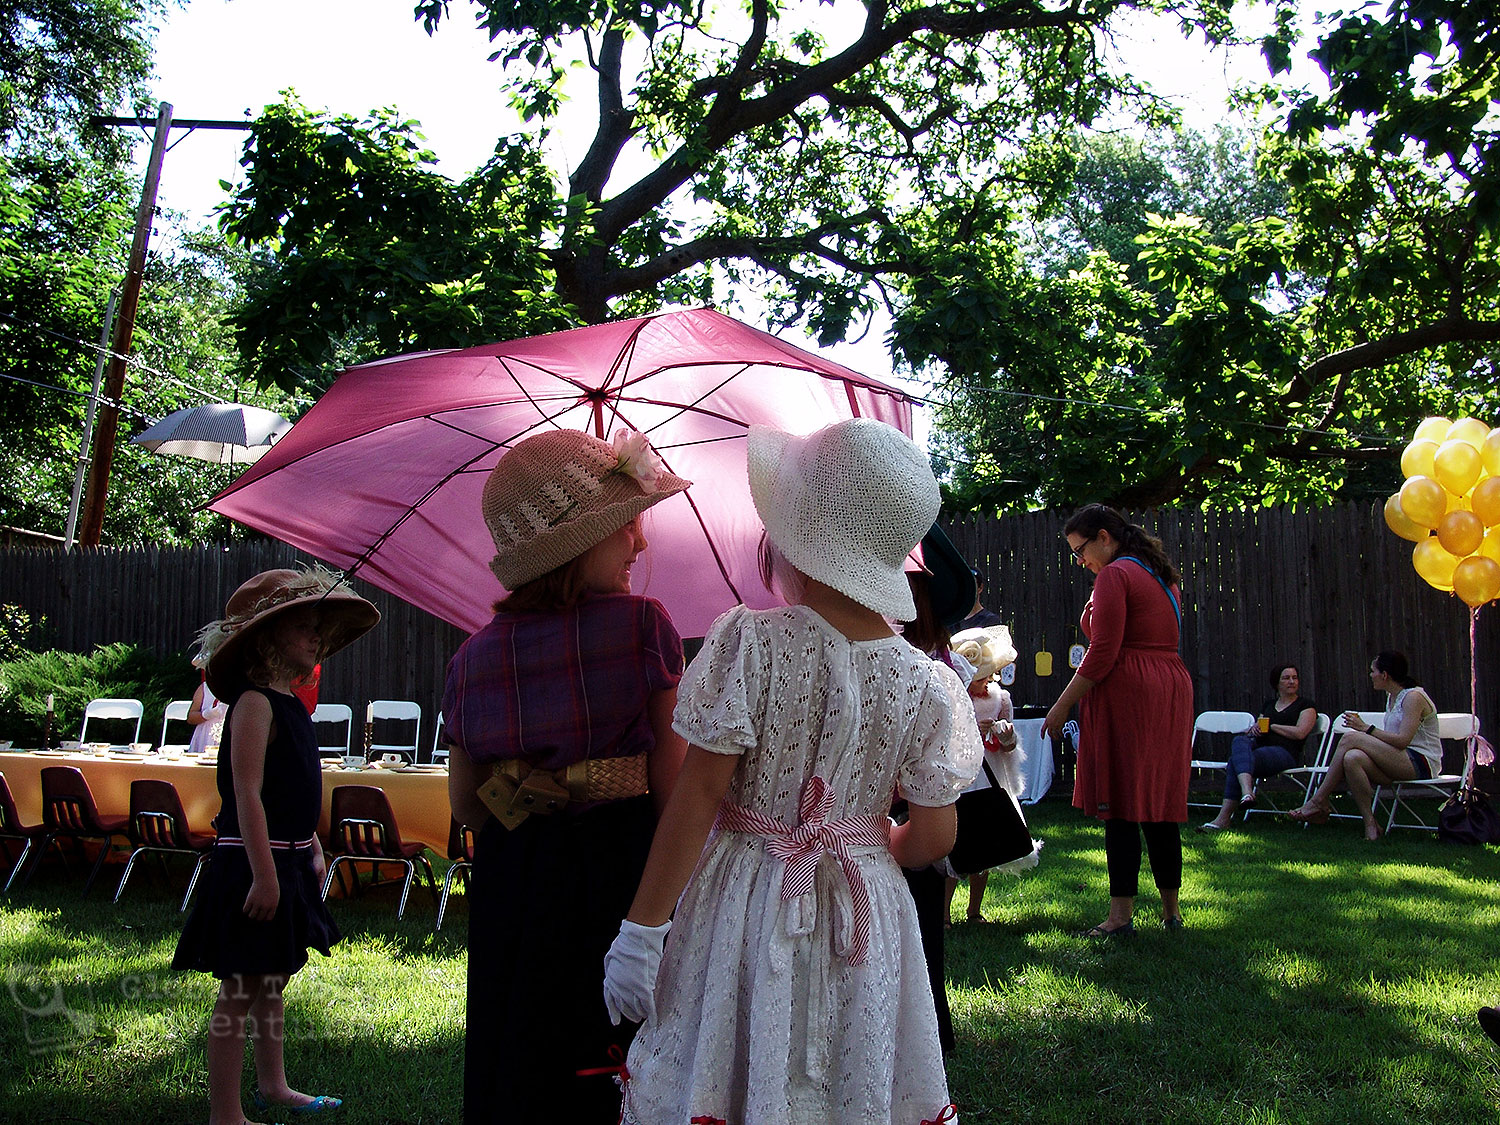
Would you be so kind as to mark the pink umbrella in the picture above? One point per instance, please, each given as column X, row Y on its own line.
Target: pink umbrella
column 382, row 477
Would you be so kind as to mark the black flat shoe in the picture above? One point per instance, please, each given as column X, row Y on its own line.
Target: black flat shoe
column 1489, row 1020
column 1172, row 923
column 1101, row 931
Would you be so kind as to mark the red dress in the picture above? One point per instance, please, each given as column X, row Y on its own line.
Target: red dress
column 1136, row 723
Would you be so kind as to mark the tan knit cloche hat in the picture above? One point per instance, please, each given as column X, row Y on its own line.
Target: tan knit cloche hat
column 557, row 494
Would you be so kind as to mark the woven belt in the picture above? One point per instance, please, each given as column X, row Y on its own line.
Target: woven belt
column 515, row 790
column 276, row 845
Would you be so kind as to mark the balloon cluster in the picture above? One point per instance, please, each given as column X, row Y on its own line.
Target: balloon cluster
column 1453, row 489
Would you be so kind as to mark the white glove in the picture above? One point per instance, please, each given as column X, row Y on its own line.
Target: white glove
column 630, row 969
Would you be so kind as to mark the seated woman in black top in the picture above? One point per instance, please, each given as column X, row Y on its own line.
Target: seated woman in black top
column 1256, row 753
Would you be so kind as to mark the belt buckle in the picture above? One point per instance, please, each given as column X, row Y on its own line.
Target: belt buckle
column 512, row 800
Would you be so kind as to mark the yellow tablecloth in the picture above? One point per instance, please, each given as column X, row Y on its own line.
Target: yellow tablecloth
column 419, row 800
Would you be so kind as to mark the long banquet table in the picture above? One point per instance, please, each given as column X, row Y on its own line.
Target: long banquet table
column 418, row 798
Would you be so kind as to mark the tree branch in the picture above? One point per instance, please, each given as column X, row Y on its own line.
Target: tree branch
column 731, row 116
column 760, row 250
column 1375, row 353
column 616, row 123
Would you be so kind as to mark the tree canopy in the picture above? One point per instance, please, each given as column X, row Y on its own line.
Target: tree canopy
column 67, row 206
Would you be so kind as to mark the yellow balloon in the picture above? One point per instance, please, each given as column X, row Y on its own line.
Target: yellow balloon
column 1477, row 580
column 1435, row 565
column 1470, row 431
column 1399, row 522
column 1486, row 501
column 1490, row 452
column 1433, row 430
column 1424, row 501
column 1460, row 533
column 1456, row 466
column 1416, row 458
column 1490, row 548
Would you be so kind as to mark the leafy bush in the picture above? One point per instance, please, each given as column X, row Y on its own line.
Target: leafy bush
column 18, row 632
column 117, row 671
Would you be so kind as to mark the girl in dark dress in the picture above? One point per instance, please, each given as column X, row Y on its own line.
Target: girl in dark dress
column 260, row 909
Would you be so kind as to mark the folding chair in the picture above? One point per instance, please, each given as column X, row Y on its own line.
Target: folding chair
column 11, row 828
column 1452, row 725
column 439, row 750
column 325, row 713
column 126, row 709
column 1265, row 794
column 1216, row 722
column 362, row 829
column 69, row 812
column 1314, row 774
column 461, row 852
column 158, row 824
column 400, row 710
column 176, row 712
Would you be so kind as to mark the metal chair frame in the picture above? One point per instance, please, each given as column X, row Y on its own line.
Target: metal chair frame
column 75, row 816
column 360, row 839
column 163, row 832
column 334, row 713
column 11, row 828
column 1452, row 725
column 462, row 856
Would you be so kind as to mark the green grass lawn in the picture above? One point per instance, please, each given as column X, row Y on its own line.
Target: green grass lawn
column 1320, row 979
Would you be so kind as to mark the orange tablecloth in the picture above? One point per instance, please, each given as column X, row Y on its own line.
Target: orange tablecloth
column 419, row 800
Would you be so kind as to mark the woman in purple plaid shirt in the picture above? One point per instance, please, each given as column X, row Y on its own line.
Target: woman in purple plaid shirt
column 558, row 717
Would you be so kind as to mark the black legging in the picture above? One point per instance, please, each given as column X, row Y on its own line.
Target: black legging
column 1122, row 854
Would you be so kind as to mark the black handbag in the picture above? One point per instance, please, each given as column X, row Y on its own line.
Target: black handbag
column 991, row 829
column 1467, row 817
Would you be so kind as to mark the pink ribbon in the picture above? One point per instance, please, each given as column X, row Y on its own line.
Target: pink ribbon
column 950, row 1113
column 801, row 848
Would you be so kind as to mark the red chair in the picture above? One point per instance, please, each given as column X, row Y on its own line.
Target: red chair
column 158, row 824
column 69, row 813
column 11, row 828
column 461, row 852
column 362, row 829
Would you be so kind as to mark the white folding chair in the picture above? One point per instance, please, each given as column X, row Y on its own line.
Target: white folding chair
column 1452, row 725
column 400, row 710
column 325, row 713
column 176, row 712
column 1216, row 722
column 1314, row 774
column 439, row 751
column 126, row 709
column 1265, row 800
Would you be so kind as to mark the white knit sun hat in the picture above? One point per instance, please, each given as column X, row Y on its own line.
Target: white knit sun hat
column 845, row 506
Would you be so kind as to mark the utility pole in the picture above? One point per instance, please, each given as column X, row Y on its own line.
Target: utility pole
column 114, row 376
column 130, row 296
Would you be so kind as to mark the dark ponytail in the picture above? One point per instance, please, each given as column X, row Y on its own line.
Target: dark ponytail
column 1393, row 664
column 1133, row 539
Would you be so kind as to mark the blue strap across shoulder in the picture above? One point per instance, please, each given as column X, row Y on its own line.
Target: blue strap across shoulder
column 1177, row 609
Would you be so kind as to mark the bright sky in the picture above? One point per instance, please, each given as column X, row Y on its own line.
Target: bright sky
column 221, row 58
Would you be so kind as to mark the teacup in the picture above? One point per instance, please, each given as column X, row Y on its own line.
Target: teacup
column 392, row 759
column 69, row 744
column 354, row 761
column 140, row 747
column 171, row 753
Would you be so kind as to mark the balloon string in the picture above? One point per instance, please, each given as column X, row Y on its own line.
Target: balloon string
column 1473, row 682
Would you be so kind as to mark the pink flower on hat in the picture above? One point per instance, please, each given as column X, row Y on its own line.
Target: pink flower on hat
column 637, row 459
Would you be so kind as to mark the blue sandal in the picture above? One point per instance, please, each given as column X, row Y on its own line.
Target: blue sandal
column 323, row 1103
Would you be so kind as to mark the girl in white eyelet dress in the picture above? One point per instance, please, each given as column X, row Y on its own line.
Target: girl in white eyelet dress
column 793, row 988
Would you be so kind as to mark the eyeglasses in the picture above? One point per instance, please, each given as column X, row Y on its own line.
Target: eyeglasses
column 1077, row 551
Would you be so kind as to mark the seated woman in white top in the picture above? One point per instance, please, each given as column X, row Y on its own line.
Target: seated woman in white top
column 1405, row 747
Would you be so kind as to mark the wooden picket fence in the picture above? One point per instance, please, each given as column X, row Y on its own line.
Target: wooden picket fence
column 1325, row 588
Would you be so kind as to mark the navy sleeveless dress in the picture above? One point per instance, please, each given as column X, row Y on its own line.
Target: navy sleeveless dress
column 218, row 938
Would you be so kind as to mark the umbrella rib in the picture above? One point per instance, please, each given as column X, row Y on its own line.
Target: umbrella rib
column 713, row 547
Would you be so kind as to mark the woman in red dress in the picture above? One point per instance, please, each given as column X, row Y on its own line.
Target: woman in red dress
column 1135, row 710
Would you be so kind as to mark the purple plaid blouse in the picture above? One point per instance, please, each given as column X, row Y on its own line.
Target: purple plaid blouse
column 557, row 688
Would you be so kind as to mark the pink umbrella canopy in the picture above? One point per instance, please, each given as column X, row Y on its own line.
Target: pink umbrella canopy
column 383, row 476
